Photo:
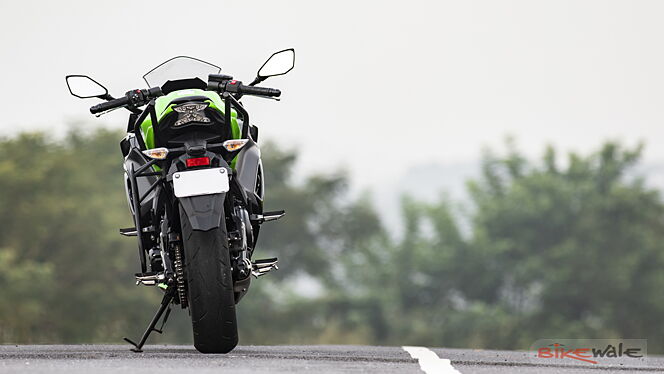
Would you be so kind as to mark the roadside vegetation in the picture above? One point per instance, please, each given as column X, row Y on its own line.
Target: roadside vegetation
column 567, row 246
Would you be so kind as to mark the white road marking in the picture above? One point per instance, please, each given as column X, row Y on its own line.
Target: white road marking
column 429, row 361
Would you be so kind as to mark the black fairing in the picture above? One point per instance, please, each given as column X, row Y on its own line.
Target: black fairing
column 182, row 84
column 249, row 170
column 136, row 159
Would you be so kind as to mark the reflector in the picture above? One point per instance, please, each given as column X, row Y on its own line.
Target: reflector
column 198, row 161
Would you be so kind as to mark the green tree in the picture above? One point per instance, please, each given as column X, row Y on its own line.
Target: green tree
column 61, row 204
column 71, row 278
column 26, row 293
column 543, row 249
column 573, row 251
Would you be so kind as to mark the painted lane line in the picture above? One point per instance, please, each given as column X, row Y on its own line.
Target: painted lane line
column 429, row 361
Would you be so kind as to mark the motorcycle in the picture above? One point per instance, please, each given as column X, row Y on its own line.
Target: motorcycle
column 195, row 188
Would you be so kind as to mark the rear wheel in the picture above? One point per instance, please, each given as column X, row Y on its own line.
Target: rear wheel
column 210, row 285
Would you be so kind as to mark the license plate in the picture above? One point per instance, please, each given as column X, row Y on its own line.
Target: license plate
column 200, row 182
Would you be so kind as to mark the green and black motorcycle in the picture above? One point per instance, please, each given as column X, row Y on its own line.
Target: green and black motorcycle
column 194, row 183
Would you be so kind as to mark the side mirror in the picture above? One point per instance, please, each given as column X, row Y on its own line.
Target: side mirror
column 279, row 63
column 85, row 87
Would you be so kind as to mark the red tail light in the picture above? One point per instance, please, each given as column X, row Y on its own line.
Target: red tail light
column 199, row 161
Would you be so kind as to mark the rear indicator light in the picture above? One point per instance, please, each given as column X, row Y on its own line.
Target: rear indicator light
column 156, row 153
column 199, row 161
column 234, row 144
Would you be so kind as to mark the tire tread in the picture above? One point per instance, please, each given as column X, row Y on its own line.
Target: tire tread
column 210, row 285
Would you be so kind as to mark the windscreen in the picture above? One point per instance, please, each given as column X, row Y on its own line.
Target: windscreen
column 181, row 67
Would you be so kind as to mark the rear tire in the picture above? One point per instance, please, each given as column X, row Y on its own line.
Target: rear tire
column 210, row 286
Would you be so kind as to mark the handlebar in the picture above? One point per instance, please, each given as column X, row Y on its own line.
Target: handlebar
column 260, row 91
column 225, row 83
column 112, row 104
column 132, row 99
column 220, row 83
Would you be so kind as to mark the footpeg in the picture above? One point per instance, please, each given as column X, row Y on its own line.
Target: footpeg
column 131, row 231
column 262, row 267
column 268, row 216
column 149, row 279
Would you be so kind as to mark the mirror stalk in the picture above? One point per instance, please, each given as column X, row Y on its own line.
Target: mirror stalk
column 257, row 80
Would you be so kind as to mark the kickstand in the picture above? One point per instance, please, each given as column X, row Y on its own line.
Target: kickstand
column 163, row 321
column 165, row 302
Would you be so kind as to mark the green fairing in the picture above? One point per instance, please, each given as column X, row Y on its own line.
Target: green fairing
column 163, row 107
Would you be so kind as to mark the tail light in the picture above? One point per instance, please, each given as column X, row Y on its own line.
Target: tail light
column 198, row 161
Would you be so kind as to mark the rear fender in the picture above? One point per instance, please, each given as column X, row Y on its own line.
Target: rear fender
column 204, row 212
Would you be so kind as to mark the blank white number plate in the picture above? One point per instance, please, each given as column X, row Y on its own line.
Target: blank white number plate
column 200, row 182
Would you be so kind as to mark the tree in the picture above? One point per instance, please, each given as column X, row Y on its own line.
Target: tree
column 26, row 294
column 543, row 249
column 554, row 251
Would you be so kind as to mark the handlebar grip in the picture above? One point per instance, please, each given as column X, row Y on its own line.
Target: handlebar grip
column 261, row 91
column 154, row 92
column 112, row 104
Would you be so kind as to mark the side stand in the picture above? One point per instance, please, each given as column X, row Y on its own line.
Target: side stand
column 165, row 302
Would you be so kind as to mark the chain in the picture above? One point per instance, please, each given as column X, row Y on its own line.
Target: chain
column 179, row 276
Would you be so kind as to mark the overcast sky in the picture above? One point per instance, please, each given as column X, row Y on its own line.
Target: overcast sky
column 378, row 86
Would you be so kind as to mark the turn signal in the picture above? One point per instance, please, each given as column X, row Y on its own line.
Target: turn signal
column 156, row 153
column 235, row 144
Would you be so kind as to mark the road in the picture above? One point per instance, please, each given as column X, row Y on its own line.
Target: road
column 289, row 359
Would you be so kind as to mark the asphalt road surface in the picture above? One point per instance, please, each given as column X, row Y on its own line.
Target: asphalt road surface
column 292, row 359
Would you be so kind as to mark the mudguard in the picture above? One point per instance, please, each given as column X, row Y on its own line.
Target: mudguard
column 204, row 212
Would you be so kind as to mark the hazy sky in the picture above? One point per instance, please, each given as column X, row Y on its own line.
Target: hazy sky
column 378, row 86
